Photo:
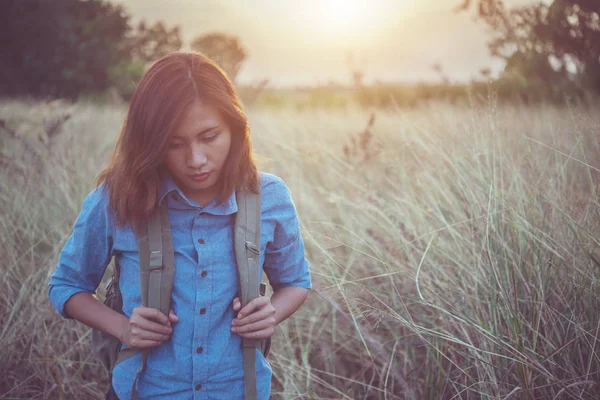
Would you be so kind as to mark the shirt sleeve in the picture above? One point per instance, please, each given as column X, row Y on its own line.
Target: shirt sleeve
column 285, row 263
column 87, row 253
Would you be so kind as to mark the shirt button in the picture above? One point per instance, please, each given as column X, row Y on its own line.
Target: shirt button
column 203, row 274
column 198, row 386
column 203, row 311
column 201, row 241
column 199, row 350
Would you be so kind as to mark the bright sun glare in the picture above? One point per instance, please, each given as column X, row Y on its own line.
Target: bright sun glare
column 340, row 15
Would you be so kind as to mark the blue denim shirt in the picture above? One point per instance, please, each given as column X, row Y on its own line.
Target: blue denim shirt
column 202, row 240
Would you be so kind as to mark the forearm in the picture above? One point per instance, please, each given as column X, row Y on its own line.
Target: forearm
column 286, row 301
column 85, row 308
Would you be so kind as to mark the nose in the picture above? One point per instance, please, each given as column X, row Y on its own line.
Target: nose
column 197, row 158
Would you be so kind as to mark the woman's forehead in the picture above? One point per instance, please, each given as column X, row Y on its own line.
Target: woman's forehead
column 198, row 117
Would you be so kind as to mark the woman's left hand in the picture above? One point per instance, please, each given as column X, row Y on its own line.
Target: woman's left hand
column 256, row 320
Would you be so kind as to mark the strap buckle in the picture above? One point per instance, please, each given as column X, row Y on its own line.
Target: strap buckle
column 252, row 247
column 156, row 260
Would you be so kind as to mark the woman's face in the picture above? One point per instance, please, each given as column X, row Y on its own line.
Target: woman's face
column 197, row 151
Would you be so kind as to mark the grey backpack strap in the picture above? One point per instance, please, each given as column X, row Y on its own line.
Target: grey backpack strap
column 157, row 271
column 247, row 255
column 158, row 274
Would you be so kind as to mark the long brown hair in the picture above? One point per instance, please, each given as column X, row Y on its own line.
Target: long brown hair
column 171, row 84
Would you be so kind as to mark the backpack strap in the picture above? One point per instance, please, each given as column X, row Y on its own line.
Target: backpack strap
column 157, row 271
column 247, row 255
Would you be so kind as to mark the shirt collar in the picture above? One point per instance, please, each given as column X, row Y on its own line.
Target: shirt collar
column 169, row 187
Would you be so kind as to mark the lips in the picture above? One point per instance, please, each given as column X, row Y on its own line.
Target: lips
column 200, row 177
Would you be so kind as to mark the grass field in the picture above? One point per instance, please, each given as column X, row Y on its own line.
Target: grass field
column 452, row 249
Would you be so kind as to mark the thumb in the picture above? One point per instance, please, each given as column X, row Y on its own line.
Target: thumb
column 173, row 317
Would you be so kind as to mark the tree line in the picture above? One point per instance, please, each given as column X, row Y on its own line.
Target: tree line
column 66, row 48
column 556, row 43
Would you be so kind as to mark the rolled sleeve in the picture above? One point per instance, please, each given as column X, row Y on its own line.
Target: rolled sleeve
column 87, row 253
column 285, row 262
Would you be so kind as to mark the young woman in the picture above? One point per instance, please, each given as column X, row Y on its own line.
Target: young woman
column 186, row 141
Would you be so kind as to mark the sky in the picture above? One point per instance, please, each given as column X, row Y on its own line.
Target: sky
column 308, row 42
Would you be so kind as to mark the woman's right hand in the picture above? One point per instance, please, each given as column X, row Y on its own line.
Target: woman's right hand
column 147, row 328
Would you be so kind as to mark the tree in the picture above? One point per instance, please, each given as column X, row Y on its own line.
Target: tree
column 559, row 40
column 149, row 43
column 226, row 50
column 141, row 46
column 64, row 48
column 58, row 48
column 357, row 66
column 438, row 68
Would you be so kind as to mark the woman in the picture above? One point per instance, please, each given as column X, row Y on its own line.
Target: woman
column 185, row 141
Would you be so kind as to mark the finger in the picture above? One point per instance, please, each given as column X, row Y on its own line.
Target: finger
column 144, row 344
column 153, row 314
column 173, row 317
column 236, row 304
column 255, row 326
column 253, row 305
column 152, row 336
column 263, row 313
column 262, row 334
column 151, row 326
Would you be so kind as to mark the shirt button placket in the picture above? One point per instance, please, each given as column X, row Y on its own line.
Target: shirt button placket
column 200, row 349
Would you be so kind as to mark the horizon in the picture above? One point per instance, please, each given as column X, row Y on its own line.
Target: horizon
column 308, row 44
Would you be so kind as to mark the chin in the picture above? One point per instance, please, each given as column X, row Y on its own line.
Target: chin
column 200, row 185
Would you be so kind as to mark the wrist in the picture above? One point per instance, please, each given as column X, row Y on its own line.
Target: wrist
column 286, row 301
column 121, row 328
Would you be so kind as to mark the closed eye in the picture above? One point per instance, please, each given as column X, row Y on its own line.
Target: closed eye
column 210, row 137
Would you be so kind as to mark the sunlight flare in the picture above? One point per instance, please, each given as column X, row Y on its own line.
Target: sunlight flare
column 342, row 14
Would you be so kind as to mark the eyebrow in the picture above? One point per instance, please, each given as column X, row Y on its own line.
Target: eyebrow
column 202, row 132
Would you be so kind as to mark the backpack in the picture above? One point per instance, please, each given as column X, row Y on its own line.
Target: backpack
column 157, row 269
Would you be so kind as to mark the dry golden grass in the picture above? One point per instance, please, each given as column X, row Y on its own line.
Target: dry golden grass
column 452, row 253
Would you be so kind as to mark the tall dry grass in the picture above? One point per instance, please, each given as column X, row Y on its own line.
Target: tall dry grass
column 452, row 253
